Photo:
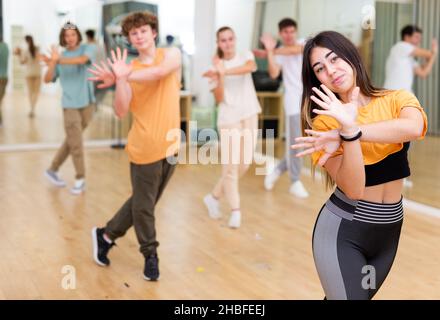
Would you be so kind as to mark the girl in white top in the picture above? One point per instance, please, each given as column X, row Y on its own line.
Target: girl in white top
column 237, row 122
column 31, row 59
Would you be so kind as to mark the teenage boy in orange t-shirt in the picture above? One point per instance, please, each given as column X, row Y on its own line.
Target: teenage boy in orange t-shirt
column 149, row 87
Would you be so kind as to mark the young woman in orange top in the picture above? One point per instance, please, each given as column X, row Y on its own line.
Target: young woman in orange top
column 360, row 135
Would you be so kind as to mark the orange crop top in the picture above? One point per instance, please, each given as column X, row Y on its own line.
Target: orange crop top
column 383, row 108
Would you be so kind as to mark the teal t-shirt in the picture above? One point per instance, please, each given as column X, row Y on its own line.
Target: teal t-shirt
column 4, row 56
column 78, row 92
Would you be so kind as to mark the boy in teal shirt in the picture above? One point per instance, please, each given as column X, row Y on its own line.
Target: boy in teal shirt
column 78, row 101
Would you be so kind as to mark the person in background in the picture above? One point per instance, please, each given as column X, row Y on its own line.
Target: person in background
column 100, row 55
column 4, row 57
column 234, row 92
column 149, row 87
column 401, row 66
column 30, row 58
column 287, row 60
column 78, row 101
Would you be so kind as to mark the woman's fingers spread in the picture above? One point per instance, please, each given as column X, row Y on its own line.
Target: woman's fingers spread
column 320, row 102
column 321, row 94
column 313, row 132
column 301, row 145
column 305, row 139
column 305, row 152
column 329, row 93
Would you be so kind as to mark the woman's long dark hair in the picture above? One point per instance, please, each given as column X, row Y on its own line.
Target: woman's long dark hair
column 220, row 53
column 345, row 50
column 31, row 46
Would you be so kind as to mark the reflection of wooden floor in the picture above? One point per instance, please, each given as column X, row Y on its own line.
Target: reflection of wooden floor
column 47, row 126
column 425, row 171
column 44, row 229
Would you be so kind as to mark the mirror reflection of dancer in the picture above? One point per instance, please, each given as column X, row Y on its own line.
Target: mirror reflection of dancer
column 31, row 59
column 149, row 87
column 4, row 58
column 237, row 121
column 360, row 136
column 401, row 67
column 100, row 55
column 287, row 60
column 78, row 101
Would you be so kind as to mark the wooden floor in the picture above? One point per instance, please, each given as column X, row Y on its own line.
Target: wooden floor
column 44, row 229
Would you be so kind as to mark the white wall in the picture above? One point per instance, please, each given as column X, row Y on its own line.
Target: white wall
column 176, row 17
column 344, row 16
column 239, row 15
column 204, row 34
column 277, row 10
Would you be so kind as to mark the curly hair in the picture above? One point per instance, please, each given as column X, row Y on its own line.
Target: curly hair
column 137, row 20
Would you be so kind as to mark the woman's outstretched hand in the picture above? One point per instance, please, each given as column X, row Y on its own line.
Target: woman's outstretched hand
column 328, row 141
column 344, row 113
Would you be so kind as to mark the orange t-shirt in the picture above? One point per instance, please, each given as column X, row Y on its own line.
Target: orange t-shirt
column 155, row 132
column 383, row 108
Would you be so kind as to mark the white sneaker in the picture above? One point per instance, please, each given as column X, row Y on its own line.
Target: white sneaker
column 271, row 178
column 298, row 190
column 213, row 206
column 78, row 187
column 235, row 219
column 52, row 176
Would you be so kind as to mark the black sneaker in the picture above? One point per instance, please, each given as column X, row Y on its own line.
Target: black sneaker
column 100, row 247
column 151, row 270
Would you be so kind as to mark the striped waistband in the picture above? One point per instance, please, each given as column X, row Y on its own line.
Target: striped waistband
column 364, row 211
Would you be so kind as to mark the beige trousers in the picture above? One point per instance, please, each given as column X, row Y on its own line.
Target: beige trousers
column 75, row 121
column 238, row 142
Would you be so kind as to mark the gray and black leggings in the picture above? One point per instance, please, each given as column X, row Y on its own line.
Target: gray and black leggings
column 354, row 245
